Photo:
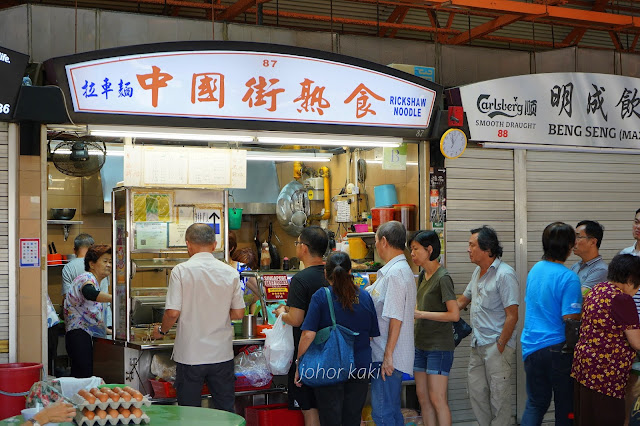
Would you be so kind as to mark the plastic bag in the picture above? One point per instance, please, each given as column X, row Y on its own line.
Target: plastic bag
column 252, row 364
column 163, row 367
column 278, row 347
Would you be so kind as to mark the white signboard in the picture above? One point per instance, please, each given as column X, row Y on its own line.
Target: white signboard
column 185, row 167
column 582, row 109
column 248, row 85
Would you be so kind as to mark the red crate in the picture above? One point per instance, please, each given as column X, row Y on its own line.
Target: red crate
column 272, row 415
column 164, row 389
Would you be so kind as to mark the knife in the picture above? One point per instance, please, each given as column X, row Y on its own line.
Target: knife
column 53, row 246
column 50, row 249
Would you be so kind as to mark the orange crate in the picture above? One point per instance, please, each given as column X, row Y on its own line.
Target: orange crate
column 164, row 389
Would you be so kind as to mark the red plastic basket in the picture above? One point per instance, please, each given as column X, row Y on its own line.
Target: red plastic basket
column 242, row 384
column 164, row 389
column 272, row 415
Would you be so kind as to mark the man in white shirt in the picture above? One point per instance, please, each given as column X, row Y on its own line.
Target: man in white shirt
column 206, row 295
column 635, row 248
column 394, row 297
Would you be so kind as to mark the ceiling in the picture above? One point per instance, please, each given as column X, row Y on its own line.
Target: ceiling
column 513, row 24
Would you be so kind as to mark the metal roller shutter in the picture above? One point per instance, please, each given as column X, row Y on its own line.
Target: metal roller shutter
column 4, row 243
column 480, row 191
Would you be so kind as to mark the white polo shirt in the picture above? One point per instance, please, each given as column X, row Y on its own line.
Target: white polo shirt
column 204, row 289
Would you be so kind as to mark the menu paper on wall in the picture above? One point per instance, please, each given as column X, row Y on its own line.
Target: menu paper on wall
column 151, row 235
column 185, row 167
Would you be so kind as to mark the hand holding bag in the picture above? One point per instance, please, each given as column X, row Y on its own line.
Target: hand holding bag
column 278, row 347
column 460, row 330
column 330, row 356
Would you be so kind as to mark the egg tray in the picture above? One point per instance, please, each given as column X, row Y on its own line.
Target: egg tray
column 82, row 403
column 81, row 420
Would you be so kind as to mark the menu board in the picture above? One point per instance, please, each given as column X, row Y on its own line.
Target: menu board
column 184, row 167
column 276, row 287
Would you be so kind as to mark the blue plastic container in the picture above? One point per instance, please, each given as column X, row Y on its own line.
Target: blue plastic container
column 385, row 195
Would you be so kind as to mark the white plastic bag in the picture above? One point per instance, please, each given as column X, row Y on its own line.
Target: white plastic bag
column 278, row 347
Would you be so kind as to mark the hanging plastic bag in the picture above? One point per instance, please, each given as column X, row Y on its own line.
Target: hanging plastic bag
column 278, row 347
column 252, row 364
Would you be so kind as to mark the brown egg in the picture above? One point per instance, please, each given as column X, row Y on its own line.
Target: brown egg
column 87, row 396
column 125, row 412
column 114, row 396
column 101, row 413
column 126, row 396
column 113, row 412
column 88, row 414
column 103, row 397
column 136, row 412
column 117, row 390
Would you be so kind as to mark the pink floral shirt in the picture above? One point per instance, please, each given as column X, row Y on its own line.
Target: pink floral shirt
column 81, row 313
column 603, row 356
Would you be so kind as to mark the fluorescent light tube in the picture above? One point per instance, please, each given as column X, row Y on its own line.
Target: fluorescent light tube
column 409, row 163
column 307, row 157
column 171, row 134
column 327, row 140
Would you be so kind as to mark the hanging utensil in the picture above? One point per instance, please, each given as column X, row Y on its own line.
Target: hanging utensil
column 273, row 250
column 53, row 246
column 256, row 240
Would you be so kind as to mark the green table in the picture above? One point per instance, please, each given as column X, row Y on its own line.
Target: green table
column 166, row 415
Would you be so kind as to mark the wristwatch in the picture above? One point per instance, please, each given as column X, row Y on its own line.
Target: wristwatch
column 499, row 342
column 34, row 421
column 160, row 330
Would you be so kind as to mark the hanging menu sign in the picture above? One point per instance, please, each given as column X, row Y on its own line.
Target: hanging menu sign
column 184, row 167
column 12, row 68
column 276, row 287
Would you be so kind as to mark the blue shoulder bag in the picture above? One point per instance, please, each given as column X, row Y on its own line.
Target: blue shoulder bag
column 330, row 356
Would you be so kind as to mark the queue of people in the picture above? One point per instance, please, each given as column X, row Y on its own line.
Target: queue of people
column 405, row 326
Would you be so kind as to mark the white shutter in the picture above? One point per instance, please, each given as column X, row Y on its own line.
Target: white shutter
column 4, row 243
column 480, row 191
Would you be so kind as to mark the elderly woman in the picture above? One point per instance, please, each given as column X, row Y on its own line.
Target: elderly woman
column 84, row 310
column 609, row 337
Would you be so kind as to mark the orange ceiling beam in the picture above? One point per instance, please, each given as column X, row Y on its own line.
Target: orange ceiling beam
column 237, row 8
column 484, row 29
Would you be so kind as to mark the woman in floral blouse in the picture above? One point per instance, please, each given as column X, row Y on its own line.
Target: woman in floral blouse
column 609, row 337
column 84, row 310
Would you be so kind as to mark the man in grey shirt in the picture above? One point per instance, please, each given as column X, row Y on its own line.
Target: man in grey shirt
column 591, row 269
column 76, row 267
column 494, row 295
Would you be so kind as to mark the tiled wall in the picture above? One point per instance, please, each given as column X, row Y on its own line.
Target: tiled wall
column 30, row 321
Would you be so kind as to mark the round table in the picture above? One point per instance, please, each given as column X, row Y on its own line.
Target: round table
column 165, row 415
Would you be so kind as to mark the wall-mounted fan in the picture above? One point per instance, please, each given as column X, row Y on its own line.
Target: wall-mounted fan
column 292, row 208
column 78, row 158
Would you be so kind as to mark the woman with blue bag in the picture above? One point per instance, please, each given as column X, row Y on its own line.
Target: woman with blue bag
column 340, row 317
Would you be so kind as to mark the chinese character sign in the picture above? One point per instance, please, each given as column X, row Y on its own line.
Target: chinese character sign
column 556, row 109
column 249, row 86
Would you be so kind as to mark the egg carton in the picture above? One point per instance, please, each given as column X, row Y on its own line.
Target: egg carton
column 82, row 403
column 81, row 420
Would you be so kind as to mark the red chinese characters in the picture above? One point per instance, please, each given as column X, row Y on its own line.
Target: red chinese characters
column 208, row 87
column 312, row 99
column 154, row 81
column 363, row 106
column 259, row 90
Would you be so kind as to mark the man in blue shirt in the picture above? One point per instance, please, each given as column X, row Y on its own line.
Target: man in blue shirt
column 552, row 296
column 591, row 269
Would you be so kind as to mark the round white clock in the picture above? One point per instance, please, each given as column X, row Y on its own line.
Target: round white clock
column 453, row 143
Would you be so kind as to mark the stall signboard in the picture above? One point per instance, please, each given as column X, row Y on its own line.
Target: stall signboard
column 276, row 287
column 583, row 109
column 12, row 68
column 253, row 83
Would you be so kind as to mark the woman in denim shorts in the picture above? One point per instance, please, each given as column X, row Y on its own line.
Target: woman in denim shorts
column 437, row 309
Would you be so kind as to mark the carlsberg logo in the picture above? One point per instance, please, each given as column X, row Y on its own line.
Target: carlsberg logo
column 4, row 58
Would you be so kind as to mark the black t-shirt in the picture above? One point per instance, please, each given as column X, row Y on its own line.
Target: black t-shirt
column 303, row 285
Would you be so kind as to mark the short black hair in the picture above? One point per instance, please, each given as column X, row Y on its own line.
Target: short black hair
column 94, row 253
column 593, row 229
column 625, row 268
column 395, row 233
column 200, row 234
column 637, row 211
column 426, row 239
column 488, row 240
column 316, row 239
column 558, row 239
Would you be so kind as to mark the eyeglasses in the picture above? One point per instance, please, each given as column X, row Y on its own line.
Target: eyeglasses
column 297, row 243
column 582, row 237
